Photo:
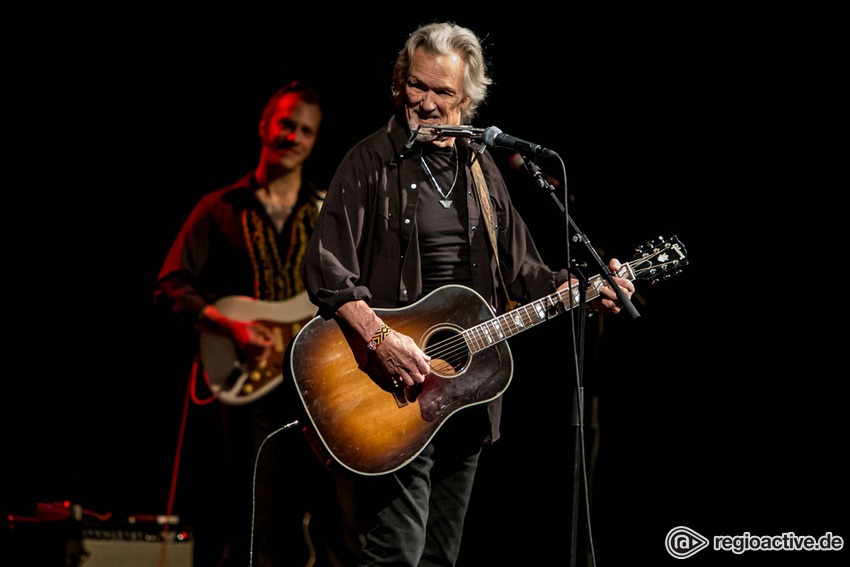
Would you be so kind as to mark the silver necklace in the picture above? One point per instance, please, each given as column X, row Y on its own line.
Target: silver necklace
column 445, row 201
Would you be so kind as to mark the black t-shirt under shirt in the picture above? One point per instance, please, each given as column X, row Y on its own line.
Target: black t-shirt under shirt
column 443, row 241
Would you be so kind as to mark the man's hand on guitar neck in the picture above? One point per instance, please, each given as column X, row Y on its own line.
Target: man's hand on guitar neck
column 399, row 355
column 253, row 340
column 608, row 303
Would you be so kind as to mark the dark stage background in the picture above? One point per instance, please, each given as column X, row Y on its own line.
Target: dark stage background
column 718, row 409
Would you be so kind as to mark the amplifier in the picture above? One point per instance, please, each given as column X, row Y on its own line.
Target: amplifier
column 59, row 536
column 118, row 553
column 135, row 548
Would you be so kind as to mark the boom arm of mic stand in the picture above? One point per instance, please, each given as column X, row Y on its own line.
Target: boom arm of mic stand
column 580, row 238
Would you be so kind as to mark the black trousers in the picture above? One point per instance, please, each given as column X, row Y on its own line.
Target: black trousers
column 415, row 516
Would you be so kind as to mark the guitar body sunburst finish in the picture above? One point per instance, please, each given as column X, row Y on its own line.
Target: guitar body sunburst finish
column 358, row 419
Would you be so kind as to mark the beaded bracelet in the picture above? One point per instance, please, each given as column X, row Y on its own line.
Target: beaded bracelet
column 378, row 337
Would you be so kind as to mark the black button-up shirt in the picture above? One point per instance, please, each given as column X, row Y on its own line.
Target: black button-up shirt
column 366, row 247
column 366, row 243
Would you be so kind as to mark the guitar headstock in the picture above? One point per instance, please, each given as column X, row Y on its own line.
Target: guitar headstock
column 659, row 259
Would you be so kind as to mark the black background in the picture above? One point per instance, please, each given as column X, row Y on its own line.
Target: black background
column 719, row 408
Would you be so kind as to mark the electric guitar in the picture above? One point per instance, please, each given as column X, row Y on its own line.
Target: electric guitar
column 235, row 381
column 358, row 421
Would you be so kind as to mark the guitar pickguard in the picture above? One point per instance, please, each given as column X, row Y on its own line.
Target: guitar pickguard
column 234, row 380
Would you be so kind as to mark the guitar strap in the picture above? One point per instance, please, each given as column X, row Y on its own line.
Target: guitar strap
column 489, row 221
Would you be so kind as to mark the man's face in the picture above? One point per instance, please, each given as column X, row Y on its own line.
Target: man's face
column 434, row 91
column 289, row 134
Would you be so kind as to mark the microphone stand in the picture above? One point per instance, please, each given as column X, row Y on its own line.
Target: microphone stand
column 577, row 420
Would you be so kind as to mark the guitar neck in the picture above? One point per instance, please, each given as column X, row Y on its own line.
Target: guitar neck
column 532, row 314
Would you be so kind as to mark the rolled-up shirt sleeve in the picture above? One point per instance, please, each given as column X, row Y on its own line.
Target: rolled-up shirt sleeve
column 331, row 269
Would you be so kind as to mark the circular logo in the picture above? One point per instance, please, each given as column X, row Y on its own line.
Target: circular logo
column 682, row 542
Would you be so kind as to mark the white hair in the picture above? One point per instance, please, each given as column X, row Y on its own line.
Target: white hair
column 444, row 39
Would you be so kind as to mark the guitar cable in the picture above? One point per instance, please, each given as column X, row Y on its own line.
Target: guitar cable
column 254, row 485
column 192, row 394
column 172, row 491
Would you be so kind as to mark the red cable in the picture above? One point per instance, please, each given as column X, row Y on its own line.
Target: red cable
column 190, row 394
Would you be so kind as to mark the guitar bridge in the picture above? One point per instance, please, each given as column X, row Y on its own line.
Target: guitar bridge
column 400, row 397
column 405, row 395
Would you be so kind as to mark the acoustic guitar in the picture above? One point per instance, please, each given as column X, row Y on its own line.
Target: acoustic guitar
column 358, row 421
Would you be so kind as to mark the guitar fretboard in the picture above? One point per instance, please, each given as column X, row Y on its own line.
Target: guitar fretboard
column 526, row 316
column 648, row 265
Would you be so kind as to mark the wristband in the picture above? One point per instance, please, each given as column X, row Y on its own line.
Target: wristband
column 378, row 337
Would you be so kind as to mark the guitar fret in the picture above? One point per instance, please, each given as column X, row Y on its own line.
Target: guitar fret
column 498, row 328
column 473, row 339
column 518, row 320
column 541, row 313
column 510, row 324
column 487, row 334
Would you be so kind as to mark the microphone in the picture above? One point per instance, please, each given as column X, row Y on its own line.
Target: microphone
column 494, row 137
column 491, row 136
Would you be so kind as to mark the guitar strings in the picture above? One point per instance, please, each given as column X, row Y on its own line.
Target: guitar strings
column 457, row 345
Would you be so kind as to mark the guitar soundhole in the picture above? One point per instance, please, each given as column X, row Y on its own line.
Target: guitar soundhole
column 448, row 352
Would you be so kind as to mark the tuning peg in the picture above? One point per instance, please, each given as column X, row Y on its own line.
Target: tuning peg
column 655, row 242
